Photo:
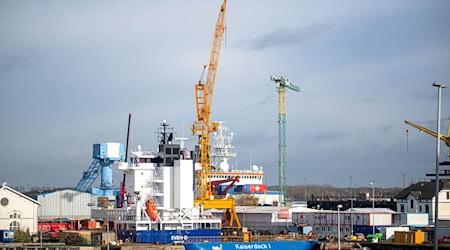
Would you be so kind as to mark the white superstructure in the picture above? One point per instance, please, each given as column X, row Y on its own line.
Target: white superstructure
column 166, row 177
column 222, row 151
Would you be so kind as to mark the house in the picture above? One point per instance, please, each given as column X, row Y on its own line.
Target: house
column 420, row 198
column 17, row 211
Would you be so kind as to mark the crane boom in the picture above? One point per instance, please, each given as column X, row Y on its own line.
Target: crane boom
column 202, row 128
column 204, row 92
column 444, row 138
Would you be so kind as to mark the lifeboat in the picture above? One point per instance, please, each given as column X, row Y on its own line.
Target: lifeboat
column 150, row 209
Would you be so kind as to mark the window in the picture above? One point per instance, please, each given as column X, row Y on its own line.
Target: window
column 14, row 215
column 4, row 201
column 420, row 209
column 427, row 208
column 411, row 202
column 14, row 225
column 448, row 195
column 402, row 208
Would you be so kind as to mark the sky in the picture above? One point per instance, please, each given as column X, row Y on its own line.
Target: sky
column 71, row 71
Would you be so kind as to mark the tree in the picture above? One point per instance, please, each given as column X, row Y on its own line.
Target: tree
column 246, row 200
column 74, row 240
column 22, row 236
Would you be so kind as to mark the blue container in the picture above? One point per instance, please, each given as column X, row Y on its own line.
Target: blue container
column 176, row 236
column 366, row 230
column 6, row 236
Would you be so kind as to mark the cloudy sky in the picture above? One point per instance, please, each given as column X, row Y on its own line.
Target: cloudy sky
column 71, row 71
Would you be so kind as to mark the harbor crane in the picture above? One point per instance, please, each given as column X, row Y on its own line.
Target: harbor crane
column 281, row 84
column 444, row 138
column 202, row 127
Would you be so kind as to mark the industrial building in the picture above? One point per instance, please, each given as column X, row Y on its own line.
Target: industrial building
column 356, row 220
column 68, row 204
column 17, row 211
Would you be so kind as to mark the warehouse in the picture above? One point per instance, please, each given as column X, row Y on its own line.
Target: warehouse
column 65, row 204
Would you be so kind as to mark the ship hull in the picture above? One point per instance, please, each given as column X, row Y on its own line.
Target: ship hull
column 257, row 245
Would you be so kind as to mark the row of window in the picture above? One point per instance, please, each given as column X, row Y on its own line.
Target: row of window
column 422, row 209
column 323, row 217
column 331, row 229
column 243, row 176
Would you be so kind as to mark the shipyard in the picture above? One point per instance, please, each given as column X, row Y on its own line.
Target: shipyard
column 308, row 125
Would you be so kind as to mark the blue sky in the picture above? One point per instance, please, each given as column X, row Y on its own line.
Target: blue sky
column 71, row 71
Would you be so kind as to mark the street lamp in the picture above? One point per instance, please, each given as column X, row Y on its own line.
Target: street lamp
column 373, row 207
column 339, row 226
column 107, row 224
column 440, row 86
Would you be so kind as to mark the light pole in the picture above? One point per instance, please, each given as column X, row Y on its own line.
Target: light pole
column 373, row 207
column 107, row 224
column 351, row 206
column 440, row 86
column 339, row 226
column 306, row 194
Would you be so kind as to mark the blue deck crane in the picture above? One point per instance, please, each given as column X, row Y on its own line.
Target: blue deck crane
column 104, row 156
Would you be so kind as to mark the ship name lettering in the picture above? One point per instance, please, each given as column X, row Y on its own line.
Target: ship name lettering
column 252, row 246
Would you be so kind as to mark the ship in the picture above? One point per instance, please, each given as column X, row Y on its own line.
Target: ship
column 300, row 245
column 159, row 198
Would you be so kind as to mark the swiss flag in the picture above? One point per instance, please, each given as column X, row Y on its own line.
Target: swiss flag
column 257, row 188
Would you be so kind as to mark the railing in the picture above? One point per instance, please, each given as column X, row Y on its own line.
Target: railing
column 199, row 239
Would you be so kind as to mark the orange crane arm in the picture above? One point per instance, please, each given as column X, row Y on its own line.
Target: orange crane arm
column 444, row 138
column 203, row 99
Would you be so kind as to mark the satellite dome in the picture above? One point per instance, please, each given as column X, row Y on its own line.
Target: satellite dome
column 224, row 166
column 255, row 168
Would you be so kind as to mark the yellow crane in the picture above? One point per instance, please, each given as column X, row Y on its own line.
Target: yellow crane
column 444, row 138
column 204, row 91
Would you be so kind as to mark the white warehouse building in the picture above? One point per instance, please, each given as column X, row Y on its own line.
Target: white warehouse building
column 67, row 203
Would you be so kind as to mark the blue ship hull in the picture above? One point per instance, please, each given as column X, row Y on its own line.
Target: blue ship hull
column 257, row 245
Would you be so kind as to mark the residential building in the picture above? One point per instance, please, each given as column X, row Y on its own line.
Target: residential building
column 17, row 211
column 420, row 198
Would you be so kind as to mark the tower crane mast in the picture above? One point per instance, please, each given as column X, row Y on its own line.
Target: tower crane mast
column 281, row 84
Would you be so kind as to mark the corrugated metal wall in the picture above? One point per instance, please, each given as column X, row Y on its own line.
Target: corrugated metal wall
column 67, row 203
column 256, row 221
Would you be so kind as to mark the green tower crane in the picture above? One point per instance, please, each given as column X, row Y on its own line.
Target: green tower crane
column 281, row 84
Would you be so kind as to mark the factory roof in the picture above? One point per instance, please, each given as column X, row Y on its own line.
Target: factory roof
column 371, row 210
